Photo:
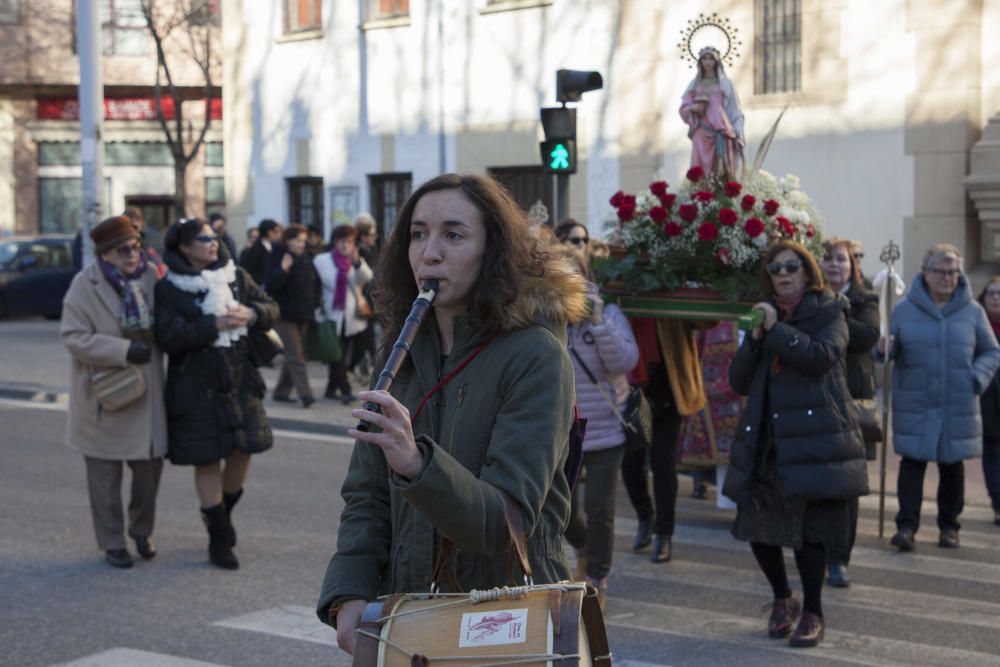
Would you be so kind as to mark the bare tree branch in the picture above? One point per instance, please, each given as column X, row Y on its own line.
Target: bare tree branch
column 163, row 18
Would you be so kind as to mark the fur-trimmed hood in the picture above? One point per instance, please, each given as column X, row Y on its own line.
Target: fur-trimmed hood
column 553, row 299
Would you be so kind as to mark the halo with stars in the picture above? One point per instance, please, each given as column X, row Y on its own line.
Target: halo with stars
column 711, row 30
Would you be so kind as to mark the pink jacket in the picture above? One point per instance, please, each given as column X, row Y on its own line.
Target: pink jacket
column 609, row 351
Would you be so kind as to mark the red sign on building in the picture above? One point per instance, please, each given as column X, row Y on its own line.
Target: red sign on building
column 116, row 108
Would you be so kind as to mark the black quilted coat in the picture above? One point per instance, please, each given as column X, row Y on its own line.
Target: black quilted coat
column 802, row 404
column 863, row 328
column 213, row 394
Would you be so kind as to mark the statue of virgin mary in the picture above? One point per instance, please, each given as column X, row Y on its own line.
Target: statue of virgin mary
column 712, row 112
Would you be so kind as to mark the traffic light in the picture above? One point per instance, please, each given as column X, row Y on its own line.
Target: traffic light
column 559, row 156
column 559, row 147
column 572, row 83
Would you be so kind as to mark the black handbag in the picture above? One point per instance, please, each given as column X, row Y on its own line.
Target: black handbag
column 636, row 415
column 264, row 346
column 871, row 429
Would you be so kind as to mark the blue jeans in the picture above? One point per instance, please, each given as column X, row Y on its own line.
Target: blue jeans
column 991, row 470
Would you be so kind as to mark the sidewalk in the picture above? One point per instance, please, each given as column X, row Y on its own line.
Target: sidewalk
column 34, row 366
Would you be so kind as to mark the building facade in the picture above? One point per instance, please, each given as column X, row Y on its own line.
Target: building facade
column 338, row 107
column 40, row 171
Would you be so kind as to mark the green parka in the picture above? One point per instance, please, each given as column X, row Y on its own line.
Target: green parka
column 503, row 421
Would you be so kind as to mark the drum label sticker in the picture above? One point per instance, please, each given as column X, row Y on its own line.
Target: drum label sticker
column 491, row 628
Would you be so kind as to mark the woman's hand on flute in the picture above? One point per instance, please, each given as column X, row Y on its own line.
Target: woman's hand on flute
column 396, row 438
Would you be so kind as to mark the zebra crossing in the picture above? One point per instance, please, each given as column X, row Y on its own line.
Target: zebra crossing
column 929, row 607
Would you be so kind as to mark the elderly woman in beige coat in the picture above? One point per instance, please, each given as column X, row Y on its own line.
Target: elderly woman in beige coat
column 106, row 325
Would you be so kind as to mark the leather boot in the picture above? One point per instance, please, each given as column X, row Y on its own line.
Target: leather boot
column 643, row 534
column 230, row 500
column 809, row 631
column 662, row 549
column 220, row 536
column 784, row 612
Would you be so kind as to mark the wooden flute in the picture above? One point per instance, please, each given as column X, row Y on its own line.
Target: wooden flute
column 401, row 348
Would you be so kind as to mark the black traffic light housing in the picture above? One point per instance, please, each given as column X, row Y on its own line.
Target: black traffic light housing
column 559, row 148
column 571, row 84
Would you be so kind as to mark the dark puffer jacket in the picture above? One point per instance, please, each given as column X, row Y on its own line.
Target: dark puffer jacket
column 213, row 394
column 809, row 412
column 989, row 403
column 295, row 290
column 863, row 332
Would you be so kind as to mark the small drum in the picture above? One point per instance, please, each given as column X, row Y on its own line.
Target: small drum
column 551, row 625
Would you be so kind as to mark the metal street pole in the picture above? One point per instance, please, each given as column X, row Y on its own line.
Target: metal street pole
column 91, row 98
column 889, row 256
column 562, row 198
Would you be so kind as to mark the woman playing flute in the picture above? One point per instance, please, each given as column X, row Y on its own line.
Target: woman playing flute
column 478, row 416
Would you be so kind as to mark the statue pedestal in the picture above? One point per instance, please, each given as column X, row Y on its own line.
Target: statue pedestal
column 983, row 186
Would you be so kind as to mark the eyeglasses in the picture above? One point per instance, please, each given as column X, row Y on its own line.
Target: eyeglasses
column 578, row 240
column 944, row 273
column 128, row 250
column 791, row 266
column 206, row 239
column 992, row 293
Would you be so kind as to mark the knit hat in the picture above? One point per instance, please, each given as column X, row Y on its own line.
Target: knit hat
column 113, row 232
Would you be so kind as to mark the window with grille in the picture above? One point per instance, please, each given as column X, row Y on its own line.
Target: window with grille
column 778, row 46
column 388, row 194
column 301, row 15
column 305, row 201
column 388, row 9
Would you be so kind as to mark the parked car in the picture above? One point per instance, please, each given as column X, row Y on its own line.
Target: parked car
column 35, row 272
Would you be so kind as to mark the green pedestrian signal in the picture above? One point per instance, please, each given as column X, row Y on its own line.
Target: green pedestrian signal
column 559, row 156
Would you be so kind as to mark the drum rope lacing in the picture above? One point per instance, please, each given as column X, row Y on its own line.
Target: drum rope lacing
column 476, row 597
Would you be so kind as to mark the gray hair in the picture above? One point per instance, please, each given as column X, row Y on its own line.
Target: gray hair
column 940, row 252
column 365, row 222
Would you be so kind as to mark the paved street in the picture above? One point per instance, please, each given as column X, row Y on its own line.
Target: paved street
column 61, row 604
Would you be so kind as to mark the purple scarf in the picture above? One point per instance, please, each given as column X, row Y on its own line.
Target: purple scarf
column 135, row 314
column 343, row 264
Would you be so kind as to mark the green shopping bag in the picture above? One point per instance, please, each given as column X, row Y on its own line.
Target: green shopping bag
column 323, row 343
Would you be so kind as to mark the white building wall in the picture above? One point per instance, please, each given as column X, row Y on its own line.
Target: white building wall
column 424, row 84
column 459, row 88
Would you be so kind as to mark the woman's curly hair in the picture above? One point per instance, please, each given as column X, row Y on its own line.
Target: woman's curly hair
column 512, row 254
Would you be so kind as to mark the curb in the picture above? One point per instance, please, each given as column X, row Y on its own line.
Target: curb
column 33, row 395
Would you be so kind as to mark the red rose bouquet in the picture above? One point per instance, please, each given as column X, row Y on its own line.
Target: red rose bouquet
column 706, row 232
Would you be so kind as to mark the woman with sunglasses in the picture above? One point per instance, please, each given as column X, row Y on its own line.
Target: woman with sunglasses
column 844, row 275
column 798, row 457
column 945, row 356
column 573, row 233
column 205, row 308
column 107, row 323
